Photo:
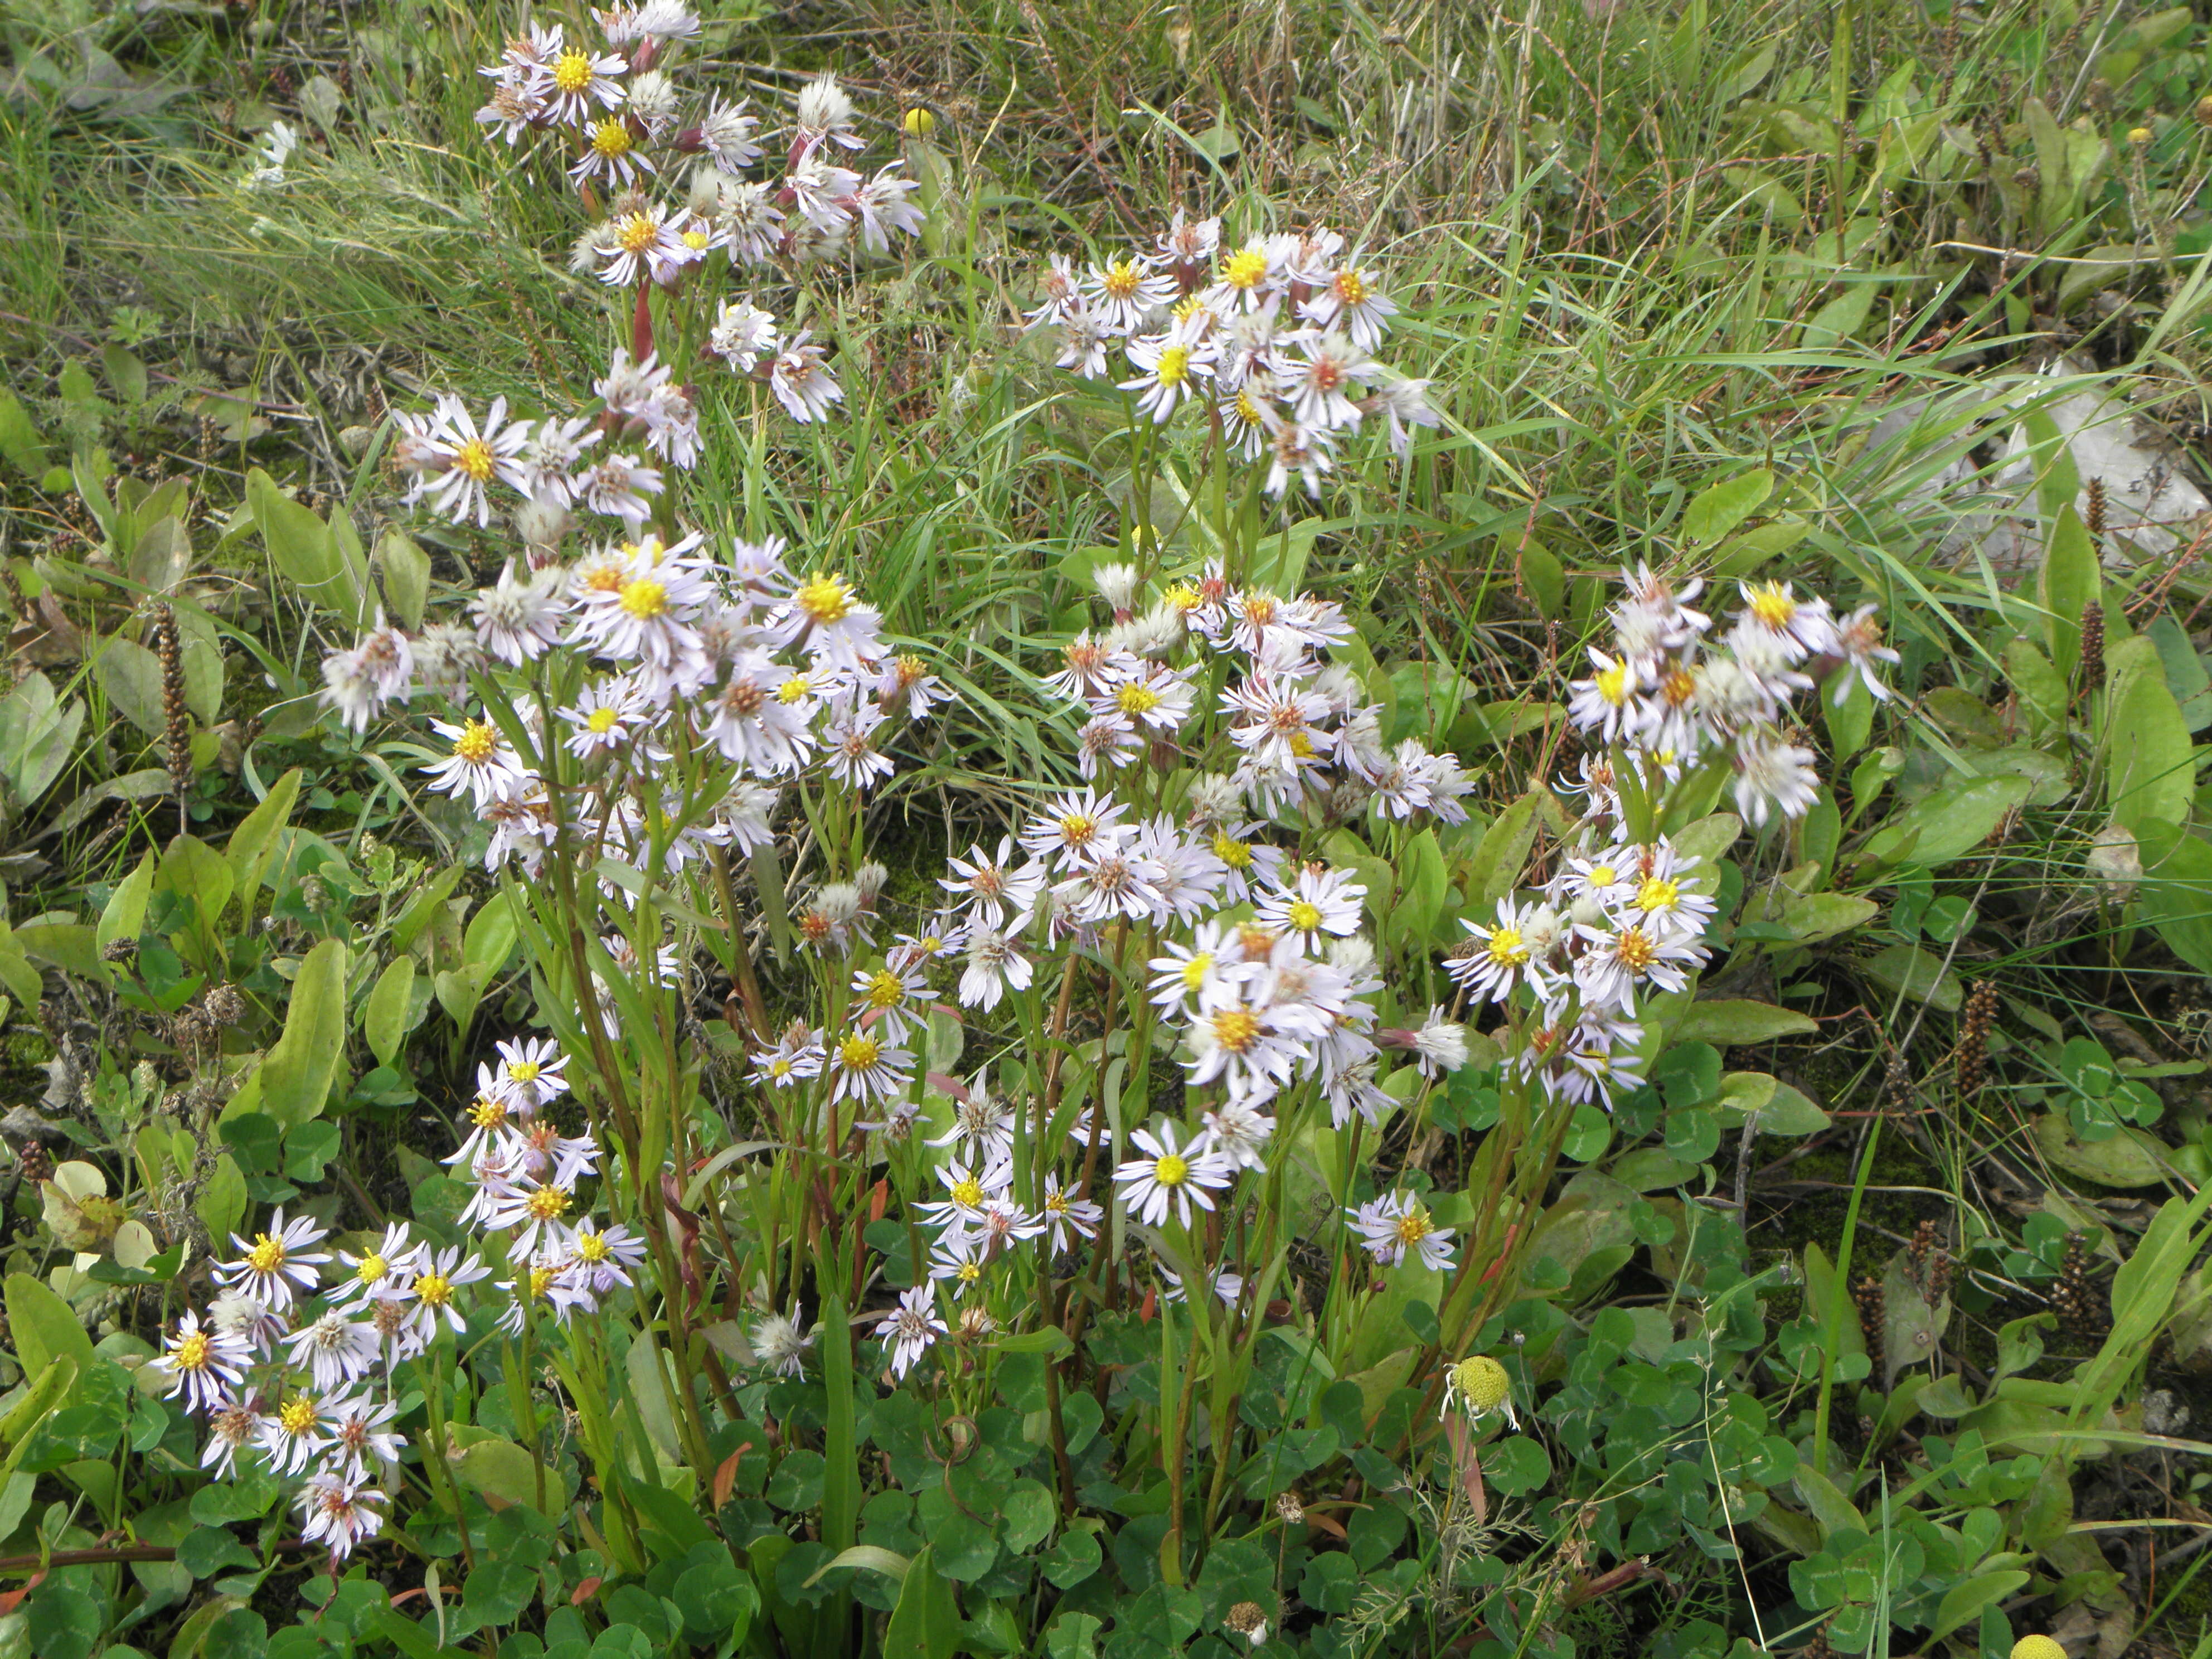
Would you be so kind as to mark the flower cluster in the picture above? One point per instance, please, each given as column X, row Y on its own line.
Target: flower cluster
column 780, row 675
column 1274, row 338
column 626, row 123
column 295, row 1361
column 1667, row 693
column 1621, row 918
column 1262, row 962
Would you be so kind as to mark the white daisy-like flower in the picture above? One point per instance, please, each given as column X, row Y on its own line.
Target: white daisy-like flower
column 335, row 1350
column 291, row 1436
column 910, row 1328
column 1318, row 901
column 339, row 1513
column 726, row 133
column 1168, row 1176
column 518, row 618
column 801, row 380
column 278, row 1264
column 1392, row 1226
column 1067, row 1216
column 742, row 334
column 862, row 1066
column 363, row 1442
column 457, row 459
column 1351, row 301
column 577, row 81
column 1505, row 957
column 1170, row 368
column 429, row 1300
column 386, row 1264
column 1772, row 775
column 205, row 1366
column 1125, row 293
column 480, row 762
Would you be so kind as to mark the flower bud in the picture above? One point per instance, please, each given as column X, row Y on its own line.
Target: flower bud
column 2202, row 113
column 2139, row 137
column 918, row 123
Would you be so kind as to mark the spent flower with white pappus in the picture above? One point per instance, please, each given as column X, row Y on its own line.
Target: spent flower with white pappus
column 1271, row 340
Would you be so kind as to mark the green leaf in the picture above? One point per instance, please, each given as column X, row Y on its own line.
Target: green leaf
column 1948, row 824
column 1840, row 320
column 2176, row 894
column 489, row 939
column 406, row 570
column 2068, row 581
column 46, row 1327
column 1823, row 915
column 2150, row 769
column 1421, row 914
column 840, row 1492
column 496, row 1592
column 1515, row 1465
column 37, row 736
column 19, row 439
column 717, row 1598
column 868, row 1556
column 2128, row 1158
column 190, row 868
column 503, row 1470
column 297, row 1075
column 221, row 1203
column 130, row 675
column 1501, row 857
column 1912, row 972
column 124, row 912
column 1721, row 507
column 2040, row 688
column 1965, row 1600
column 1728, row 1024
column 1026, row 1516
column 254, row 841
column 301, row 546
column 926, row 1623
column 384, row 1022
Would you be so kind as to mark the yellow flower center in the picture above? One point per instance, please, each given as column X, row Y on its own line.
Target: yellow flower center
column 549, row 1204
column 1234, row 1029
column 477, row 743
column 1302, row 744
column 1184, row 596
column 193, row 1353
column 297, row 1414
column 541, row 1281
column 1194, row 971
column 1678, row 688
column 825, row 599
column 885, row 990
column 605, row 577
column 1657, row 894
column 644, row 599
column 475, row 459
column 794, row 689
column 968, row 1193
column 1245, row 268
column 435, row 1288
column 610, row 138
column 858, row 1051
column 1123, row 279
column 267, row 1254
column 600, row 722
column 371, row 1269
column 1237, row 854
column 1305, row 915
column 1603, row 875
column 696, row 240
column 1634, row 949
column 1481, row 1382
column 1135, row 699
column 1171, row 1170
column 1507, row 948
column 524, row 1070
column 1351, row 288
column 1415, row 1226
column 1174, row 366
column 1772, row 604
column 637, row 233
column 592, row 1247
column 572, row 72
column 1247, row 412
column 1078, row 827
column 1613, row 683
column 488, row 1113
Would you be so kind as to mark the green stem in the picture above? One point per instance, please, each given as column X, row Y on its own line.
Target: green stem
column 1839, row 1294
